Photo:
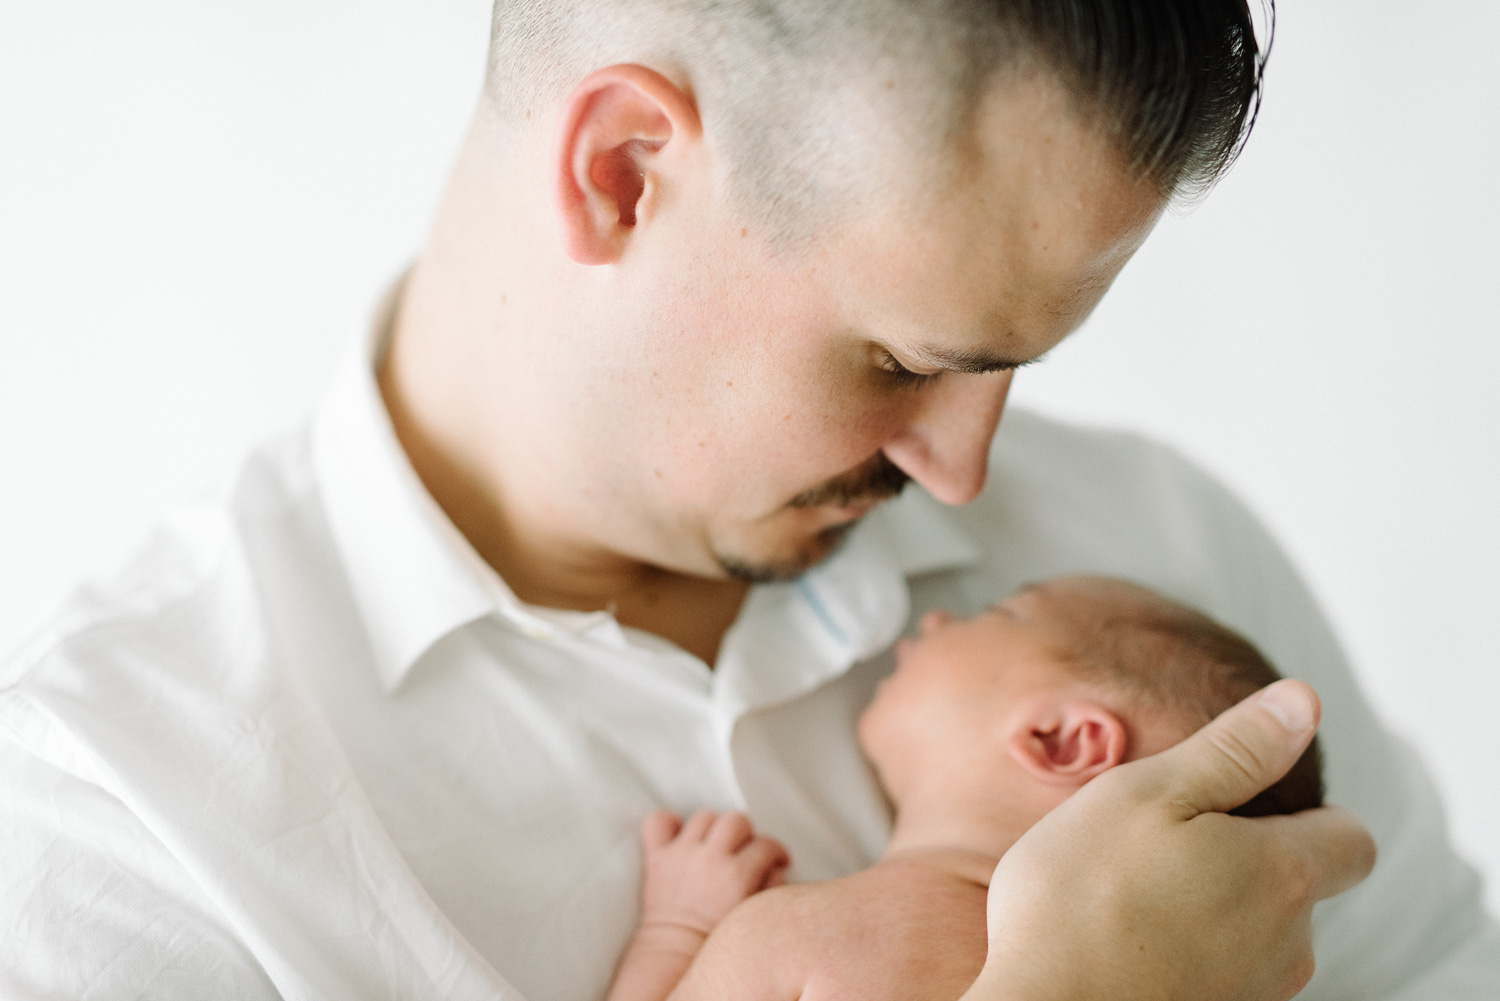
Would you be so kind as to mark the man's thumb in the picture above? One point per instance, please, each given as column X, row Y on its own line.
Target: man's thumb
column 1247, row 748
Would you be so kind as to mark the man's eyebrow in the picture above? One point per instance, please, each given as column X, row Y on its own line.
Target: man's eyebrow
column 966, row 361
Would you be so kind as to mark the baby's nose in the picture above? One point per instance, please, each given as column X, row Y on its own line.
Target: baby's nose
column 935, row 619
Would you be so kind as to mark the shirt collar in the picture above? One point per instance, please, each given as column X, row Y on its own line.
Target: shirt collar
column 413, row 575
column 860, row 596
column 410, row 583
column 791, row 638
column 415, row 578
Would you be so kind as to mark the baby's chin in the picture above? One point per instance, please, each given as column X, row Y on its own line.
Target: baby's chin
column 879, row 731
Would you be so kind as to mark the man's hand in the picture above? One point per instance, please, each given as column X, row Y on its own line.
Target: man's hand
column 1140, row 887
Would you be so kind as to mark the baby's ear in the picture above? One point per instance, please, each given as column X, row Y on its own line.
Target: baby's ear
column 1068, row 742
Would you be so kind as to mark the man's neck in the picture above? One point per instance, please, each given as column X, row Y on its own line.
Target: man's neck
column 691, row 612
column 541, row 569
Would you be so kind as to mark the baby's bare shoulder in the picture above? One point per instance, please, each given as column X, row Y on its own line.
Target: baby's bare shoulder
column 909, row 932
column 891, row 931
column 754, row 953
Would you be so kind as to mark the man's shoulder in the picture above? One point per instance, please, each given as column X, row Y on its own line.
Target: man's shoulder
column 155, row 681
column 174, row 570
column 183, row 606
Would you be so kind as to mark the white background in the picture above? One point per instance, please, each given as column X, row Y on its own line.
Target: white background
column 200, row 202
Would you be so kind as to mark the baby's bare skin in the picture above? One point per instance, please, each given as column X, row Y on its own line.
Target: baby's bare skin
column 695, row 872
column 942, row 733
column 902, row 929
column 912, row 918
column 985, row 726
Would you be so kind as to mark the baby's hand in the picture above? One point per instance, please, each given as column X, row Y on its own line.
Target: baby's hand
column 697, row 871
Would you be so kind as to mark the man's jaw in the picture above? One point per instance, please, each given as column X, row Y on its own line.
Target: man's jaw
column 838, row 504
column 749, row 570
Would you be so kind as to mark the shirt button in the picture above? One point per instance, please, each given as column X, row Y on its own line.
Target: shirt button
column 535, row 630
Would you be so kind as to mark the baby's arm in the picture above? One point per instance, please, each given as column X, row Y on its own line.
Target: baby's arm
column 695, row 872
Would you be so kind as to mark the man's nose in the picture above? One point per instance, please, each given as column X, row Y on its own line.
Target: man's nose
column 946, row 445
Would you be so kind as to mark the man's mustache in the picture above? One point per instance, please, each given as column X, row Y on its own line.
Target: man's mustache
column 874, row 480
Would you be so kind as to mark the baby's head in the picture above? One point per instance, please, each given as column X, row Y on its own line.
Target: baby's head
column 1056, row 684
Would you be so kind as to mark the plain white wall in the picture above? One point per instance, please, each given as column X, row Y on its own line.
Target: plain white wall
column 199, row 203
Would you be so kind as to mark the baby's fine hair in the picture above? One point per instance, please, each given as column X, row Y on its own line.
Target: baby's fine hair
column 1176, row 660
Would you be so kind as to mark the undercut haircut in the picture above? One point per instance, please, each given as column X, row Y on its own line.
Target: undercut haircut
column 787, row 88
column 1176, row 660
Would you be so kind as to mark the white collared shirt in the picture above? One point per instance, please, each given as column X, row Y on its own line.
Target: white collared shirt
column 311, row 746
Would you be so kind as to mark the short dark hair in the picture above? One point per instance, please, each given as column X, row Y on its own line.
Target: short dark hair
column 1179, row 661
column 1174, row 83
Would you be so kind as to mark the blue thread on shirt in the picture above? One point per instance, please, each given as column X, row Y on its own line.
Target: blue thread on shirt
column 811, row 597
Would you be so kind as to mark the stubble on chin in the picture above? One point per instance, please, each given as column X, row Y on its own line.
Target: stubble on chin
column 875, row 480
column 748, row 570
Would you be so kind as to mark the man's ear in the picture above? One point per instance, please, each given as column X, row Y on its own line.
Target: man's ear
column 607, row 176
column 1068, row 743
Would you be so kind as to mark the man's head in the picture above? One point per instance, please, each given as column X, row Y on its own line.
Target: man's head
column 713, row 279
column 810, row 98
column 1058, row 683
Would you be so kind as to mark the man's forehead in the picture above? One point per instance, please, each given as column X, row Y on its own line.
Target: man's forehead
column 993, row 272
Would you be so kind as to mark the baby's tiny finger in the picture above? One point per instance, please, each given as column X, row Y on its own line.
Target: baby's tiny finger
column 731, row 831
column 660, row 828
column 761, row 857
column 698, row 825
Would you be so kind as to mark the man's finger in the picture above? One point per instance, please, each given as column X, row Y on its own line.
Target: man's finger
column 1247, row 748
column 1338, row 849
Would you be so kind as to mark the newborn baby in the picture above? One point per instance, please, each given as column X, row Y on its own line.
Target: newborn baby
column 985, row 725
